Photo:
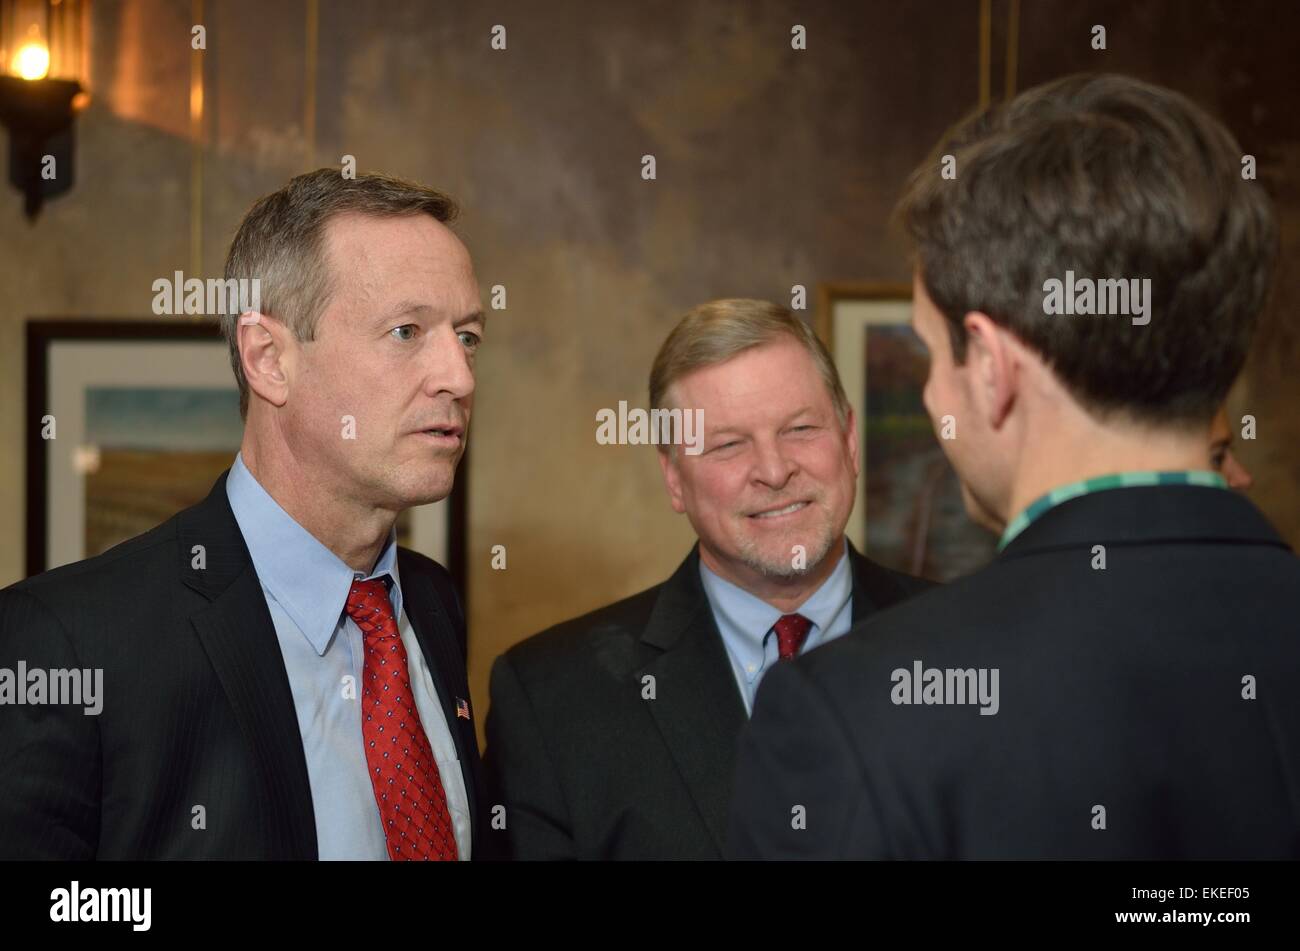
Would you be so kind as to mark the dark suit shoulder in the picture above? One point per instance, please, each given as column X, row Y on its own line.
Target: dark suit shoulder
column 884, row 587
column 575, row 639
column 909, row 585
column 936, row 616
column 1053, row 611
column 128, row 562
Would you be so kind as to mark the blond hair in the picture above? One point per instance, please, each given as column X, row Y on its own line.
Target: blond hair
column 718, row 330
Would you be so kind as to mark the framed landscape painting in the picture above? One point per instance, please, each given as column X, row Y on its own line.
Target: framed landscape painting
column 131, row 421
column 909, row 513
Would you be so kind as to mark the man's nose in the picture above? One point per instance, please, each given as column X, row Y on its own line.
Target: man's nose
column 773, row 467
column 449, row 369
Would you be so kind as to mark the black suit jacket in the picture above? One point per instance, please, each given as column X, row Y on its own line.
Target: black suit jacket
column 197, row 709
column 1120, row 690
column 587, row 768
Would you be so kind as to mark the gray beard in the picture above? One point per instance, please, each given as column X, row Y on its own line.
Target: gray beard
column 782, row 568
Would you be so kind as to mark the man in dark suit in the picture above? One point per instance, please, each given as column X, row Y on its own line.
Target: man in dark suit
column 279, row 679
column 1119, row 682
column 613, row 736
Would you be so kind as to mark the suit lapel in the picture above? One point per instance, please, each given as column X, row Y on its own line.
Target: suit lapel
column 697, row 707
column 237, row 633
column 873, row 588
column 437, row 639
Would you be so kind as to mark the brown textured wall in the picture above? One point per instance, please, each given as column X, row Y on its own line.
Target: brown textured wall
column 775, row 167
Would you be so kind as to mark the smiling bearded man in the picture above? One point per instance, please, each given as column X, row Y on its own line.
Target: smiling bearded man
column 613, row 736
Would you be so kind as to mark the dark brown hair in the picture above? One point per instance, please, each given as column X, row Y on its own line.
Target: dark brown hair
column 281, row 243
column 1110, row 178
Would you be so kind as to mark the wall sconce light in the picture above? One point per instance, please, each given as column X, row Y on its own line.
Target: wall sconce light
column 42, row 65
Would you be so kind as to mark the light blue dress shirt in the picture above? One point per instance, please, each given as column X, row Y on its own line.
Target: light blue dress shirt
column 306, row 587
column 745, row 621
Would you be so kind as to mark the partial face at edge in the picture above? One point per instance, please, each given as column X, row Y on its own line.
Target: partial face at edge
column 948, row 392
column 1222, row 458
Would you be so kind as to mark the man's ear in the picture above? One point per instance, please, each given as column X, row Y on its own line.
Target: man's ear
column 994, row 372
column 266, row 354
column 672, row 477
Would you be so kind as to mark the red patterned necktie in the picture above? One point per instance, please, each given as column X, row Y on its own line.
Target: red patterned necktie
column 791, row 629
column 408, row 789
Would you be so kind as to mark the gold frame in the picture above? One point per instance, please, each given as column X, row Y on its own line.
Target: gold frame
column 829, row 293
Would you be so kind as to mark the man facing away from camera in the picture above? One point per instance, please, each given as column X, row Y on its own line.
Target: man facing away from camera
column 280, row 680
column 613, row 736
column 1119, row 683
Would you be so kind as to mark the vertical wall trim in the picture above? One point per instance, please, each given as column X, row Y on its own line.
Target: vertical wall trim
column 986, row 47
column 196, row 148
column 309, row 82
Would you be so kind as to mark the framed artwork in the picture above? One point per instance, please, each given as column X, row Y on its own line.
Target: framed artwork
column 128, row 422
column 909, row 513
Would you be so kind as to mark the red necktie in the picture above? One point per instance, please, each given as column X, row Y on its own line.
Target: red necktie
column 408, row 789
column 791, row 629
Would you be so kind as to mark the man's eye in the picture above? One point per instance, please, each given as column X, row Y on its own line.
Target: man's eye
column 397, row 332
column 473, row 339
column 725, row 445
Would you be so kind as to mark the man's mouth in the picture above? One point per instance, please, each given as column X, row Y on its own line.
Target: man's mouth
column 443, row 434
column 783, row 510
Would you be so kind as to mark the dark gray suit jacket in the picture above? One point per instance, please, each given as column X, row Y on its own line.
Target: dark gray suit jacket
column 1120, row 689
column 197, row 708
column 586, row 768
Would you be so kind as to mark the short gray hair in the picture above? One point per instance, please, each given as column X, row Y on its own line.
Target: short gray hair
column 280, row 243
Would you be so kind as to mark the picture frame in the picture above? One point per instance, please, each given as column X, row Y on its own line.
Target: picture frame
column 908, row 510
column 128, row 421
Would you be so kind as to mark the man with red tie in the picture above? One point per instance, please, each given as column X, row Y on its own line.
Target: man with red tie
column 280, row 680
column 613, row 736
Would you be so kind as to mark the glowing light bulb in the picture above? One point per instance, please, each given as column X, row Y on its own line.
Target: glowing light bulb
column 32, row 61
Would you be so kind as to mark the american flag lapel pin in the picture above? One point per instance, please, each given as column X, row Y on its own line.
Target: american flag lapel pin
column 462, row 708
